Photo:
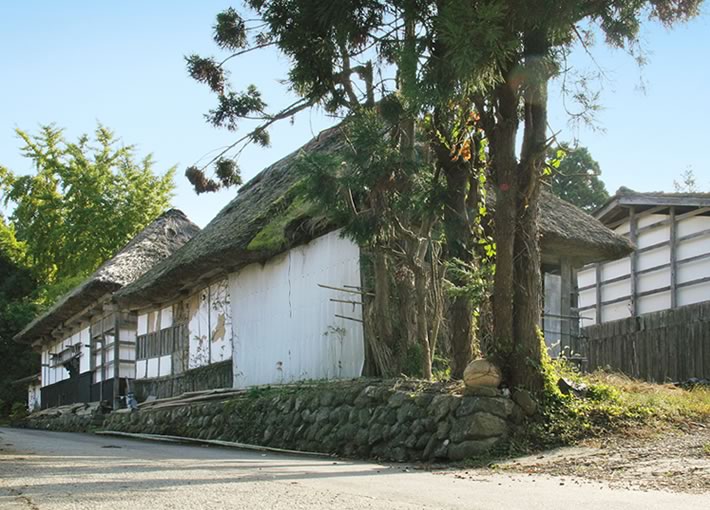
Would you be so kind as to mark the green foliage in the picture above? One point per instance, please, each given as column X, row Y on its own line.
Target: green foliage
column 84, row 201
column 354, row 183
column 272, row 236
column 16, row 310
column 575, row 177
column 18, row 412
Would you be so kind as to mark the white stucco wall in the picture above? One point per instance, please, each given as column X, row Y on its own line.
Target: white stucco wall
column 34, row 396
column 284, row 325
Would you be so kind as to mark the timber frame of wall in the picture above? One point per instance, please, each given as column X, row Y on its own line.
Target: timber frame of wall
column 673, row 264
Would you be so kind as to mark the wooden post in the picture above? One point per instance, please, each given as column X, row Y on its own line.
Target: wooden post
column 633, row 227
column 565, row 305
column 116, row 360
column 674, row 259
column 598, row 289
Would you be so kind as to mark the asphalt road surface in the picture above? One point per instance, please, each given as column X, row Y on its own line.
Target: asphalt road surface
column 58, row 471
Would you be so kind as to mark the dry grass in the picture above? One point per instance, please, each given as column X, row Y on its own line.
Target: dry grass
column 664, row 401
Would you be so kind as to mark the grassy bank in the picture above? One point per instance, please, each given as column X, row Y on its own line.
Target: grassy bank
column 613, row 404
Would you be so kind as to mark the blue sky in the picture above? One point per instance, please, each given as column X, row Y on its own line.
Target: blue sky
column 75, row 62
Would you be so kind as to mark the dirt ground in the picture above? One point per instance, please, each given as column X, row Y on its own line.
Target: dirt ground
column 677, row 461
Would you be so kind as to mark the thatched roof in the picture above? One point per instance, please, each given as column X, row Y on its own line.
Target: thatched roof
column 618, row 206
column 266, row 203
column 158, row 241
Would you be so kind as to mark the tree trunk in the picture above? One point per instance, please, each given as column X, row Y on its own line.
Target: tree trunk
column 505, row 166
column 459, row 241
column 526, row 363
column 420, row 286
column 384, row 345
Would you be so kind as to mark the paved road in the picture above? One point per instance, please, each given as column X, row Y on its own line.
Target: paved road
column 58, row 471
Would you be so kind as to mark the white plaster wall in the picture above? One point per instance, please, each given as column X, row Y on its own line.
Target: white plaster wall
column 34, row 396
column 142, row 324
column 694, row 270
column 586, row 276
column 653, row 258
column 85, row 360
column 614, row 269
column 654, row 303
column 198, row 328
column 692, row 225
column 552, row 306
column 693, row 294
column 654, row 280
column 616, row 311
column 220, row 320
column 284, row 325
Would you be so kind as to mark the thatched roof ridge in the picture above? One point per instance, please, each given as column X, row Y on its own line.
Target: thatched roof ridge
column 568, row 230
column 223, row 246
column 158, row 241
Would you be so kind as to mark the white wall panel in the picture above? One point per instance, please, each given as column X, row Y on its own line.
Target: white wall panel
column 615, row 290
column 653, row 258
column 34, row 397
column 654, row 236
column 650, row 219
column 587, row 298
column 586, row 276
column 695, row 270
column 142, row 324
column 85, row 360
column 614, row 269
column 692, row 225
column 128, row 370
column 165, row 365
column 615, row 311
column 588, row 317
column 624, row 228
column 651, row 281
column 141, row 369
column 198, row 328
column 166, row 317
column 152, row 369
column 694, row 294
column 653, row 303
column 692, row 247
column 284, row 325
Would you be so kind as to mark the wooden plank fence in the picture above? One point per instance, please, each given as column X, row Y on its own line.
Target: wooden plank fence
column 668, row 345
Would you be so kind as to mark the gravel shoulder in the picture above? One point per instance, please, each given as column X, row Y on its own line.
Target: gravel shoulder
column 677, row 461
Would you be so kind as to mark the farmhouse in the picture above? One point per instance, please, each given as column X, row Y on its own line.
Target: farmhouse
column 87, row 345
column 648, row 312
column 262, row 295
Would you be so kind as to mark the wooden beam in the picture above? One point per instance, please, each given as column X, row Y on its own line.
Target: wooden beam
column 674, row 259
column 667, row 201
column 565, row 303
column 633, row 236
column 598, row 287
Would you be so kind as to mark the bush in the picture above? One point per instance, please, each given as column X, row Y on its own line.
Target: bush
column 18, row 412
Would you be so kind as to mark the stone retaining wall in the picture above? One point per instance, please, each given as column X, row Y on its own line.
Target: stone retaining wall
column 69, row 418
column 391, row 420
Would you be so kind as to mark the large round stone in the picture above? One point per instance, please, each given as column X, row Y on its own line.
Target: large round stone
column 481, row 372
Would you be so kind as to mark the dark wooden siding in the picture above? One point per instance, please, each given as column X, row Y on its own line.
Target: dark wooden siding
column 217, row 375
column 669, row 345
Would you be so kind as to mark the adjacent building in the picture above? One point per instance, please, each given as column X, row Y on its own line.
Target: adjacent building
column 87, row 344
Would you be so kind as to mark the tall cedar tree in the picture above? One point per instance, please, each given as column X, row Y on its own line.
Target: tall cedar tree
column 492, row 59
